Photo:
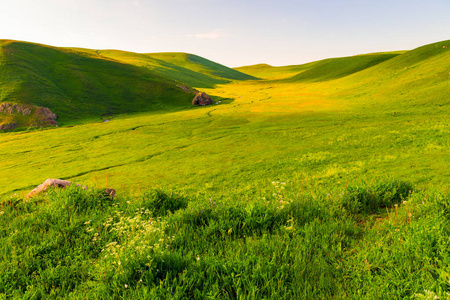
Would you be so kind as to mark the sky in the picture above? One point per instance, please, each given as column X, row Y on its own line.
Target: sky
column 231, row 32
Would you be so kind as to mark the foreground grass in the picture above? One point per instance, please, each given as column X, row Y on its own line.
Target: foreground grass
column 377, row 240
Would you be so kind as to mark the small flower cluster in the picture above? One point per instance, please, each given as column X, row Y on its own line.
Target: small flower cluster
column 278, row 194
column 428, row 295
column 138, row 238
column 291, row 223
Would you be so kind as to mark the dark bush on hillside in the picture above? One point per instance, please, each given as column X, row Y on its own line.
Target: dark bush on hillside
column 160, row 203
column 370, row 198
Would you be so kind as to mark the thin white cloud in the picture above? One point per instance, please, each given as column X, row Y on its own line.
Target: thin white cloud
column 215, row 34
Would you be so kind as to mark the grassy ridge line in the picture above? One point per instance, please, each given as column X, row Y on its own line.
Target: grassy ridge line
column 185, row 68
column 202, row 65
column 266, row 71
column 335, row 68
column 322, row 70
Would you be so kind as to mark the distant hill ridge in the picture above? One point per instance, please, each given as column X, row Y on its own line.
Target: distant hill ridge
column 335, row 68
column 186, row 68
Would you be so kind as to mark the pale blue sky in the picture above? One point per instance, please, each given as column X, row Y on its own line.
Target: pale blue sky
column 231, row 32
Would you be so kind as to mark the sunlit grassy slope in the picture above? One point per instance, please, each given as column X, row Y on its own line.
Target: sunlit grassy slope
column 266, row 71
column 391, row 119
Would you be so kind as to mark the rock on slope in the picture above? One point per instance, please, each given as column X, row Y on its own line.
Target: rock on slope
column 21, row 115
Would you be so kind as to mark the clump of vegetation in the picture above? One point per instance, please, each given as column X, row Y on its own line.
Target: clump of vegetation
column 75, row 243
column 362, row 198
column 161, row 203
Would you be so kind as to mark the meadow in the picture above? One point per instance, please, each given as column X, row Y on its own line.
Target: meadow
column 327, row 180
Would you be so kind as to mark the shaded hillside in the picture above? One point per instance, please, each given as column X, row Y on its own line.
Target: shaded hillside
column 185, row 68
column 323, row 70
column 334, row 68
column 77, row 84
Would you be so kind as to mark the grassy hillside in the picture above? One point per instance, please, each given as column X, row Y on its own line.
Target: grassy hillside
column 334, row 68
column 185, row 68
column 75, row 84
column 266, row 71
column 323, row 70
column 417, row 78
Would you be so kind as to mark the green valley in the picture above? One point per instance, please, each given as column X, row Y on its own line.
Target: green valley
column 325, row 180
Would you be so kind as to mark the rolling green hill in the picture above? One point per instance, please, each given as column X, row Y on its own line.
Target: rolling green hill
column 76, row 84
column 266, row 71
column 323, row 70
column 185, row 68
column 394, row 81
column 415, row 80
column 334, row 68
column 80, row 83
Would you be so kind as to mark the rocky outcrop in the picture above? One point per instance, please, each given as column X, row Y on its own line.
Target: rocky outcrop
column 59, row 183
column 47, row 184
column 15, row 109
column 47, row 113
column 8, row 126
column 202, row 99
column 35, row 116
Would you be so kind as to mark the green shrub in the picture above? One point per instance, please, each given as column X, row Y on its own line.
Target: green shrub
column 78, row 199
column 370, row 198
column 160, row 203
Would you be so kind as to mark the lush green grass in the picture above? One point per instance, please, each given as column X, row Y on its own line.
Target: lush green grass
column 287, row 243
column 343, row 145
